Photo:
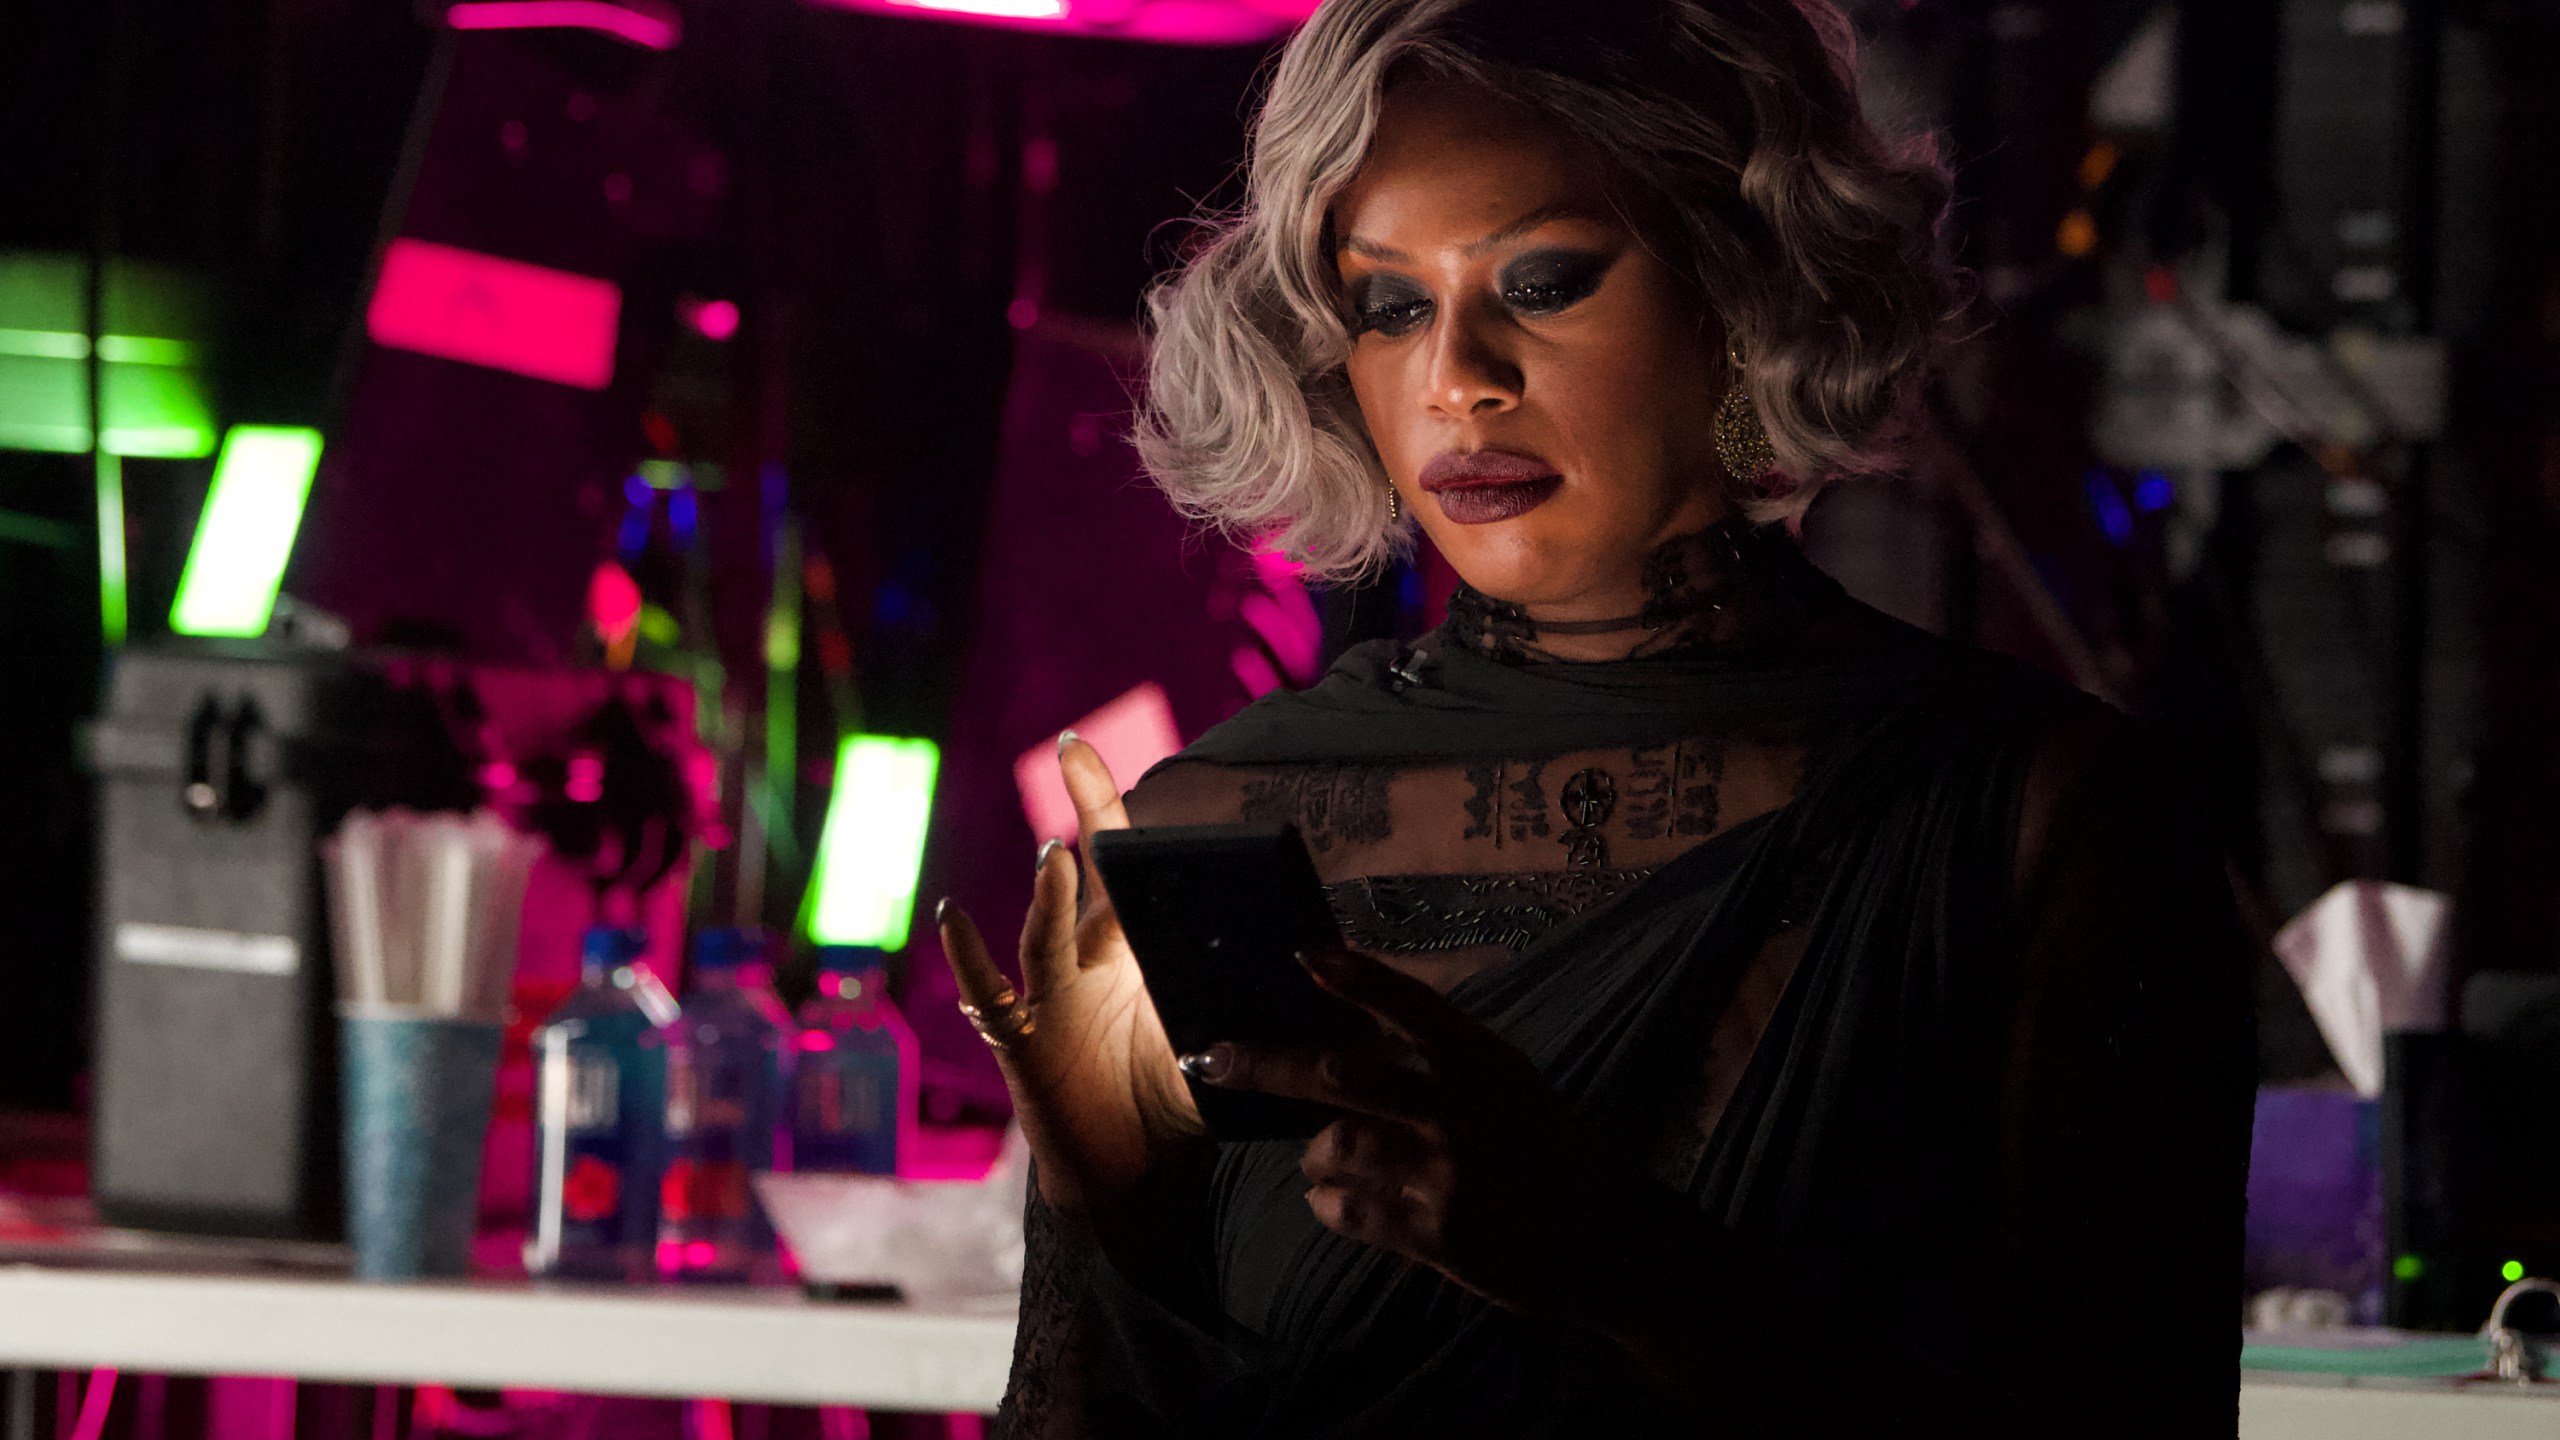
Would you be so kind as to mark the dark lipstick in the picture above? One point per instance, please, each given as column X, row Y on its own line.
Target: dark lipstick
column 1482, row 486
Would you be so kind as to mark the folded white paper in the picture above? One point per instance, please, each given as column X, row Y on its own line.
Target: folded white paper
column 2369, row 958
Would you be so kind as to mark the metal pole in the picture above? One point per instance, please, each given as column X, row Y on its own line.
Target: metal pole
column 2405, row 788
column 22, row 1405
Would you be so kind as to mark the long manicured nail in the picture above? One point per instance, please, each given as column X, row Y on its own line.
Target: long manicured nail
column 942, row 912
column 1045, row 852
column 1211, row 1064
column 1065, row 737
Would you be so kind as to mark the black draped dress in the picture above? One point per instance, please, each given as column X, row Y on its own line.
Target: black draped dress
column 1897, row 963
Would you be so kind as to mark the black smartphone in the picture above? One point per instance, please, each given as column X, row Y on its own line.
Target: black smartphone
column 1217, row 915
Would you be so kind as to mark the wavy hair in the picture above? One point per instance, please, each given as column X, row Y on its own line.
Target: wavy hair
column 1733, row 126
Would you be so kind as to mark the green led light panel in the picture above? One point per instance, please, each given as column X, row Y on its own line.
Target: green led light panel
column 864, row 885
column 153, row 398
column 259, row 486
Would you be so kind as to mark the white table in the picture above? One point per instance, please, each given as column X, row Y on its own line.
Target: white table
column 2283, row 1408
column 775, row 1347
column 761, row 1346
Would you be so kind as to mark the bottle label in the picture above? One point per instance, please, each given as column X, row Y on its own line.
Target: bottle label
column 841, row 1101
column 592, row 1190
column 845, row 1114
column 591, row 1084
column 596, row 1180
column 700, row 1098
column 696, row 1191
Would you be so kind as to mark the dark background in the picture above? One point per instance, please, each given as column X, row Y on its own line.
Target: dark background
column 917, row 218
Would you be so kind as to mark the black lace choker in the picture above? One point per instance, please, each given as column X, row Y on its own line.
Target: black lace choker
column 1717, row 590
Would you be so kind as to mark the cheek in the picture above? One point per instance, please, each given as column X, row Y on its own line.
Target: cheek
column 1392, row 425
column 1632, row 403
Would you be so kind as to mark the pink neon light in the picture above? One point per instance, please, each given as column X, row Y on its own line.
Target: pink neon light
column 1132, row 732
column 1168, row 22
column 613, row 601
column 817, row 1040
column 711, row 319
column 992, row 9
column 484, row 310
column 93, row 1405
column 651, row 30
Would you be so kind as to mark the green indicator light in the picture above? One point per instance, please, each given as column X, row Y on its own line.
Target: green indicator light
column 2512, row 1271
column 2408, row 1267
column 237, row 562
column 873, row 843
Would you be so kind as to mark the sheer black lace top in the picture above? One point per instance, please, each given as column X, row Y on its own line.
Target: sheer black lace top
column 1447, row 866
column 1453, row 865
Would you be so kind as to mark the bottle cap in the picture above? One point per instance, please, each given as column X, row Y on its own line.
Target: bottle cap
column 851, row 959
column 727, row 947
column 614, row 946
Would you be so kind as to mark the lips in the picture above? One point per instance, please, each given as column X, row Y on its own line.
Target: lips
column 1482, row 486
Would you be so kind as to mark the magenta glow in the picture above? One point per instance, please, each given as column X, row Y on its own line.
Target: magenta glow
column 530, row 320
column 654, row 28
column 1163, row 22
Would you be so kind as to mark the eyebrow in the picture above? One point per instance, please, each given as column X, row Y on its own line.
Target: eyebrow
column 1561, row 210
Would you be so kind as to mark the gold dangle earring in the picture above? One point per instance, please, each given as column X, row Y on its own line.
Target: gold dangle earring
column 1741, row 441
column 1395, row 506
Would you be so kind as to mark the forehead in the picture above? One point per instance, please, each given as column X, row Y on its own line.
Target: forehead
column 1450, row 163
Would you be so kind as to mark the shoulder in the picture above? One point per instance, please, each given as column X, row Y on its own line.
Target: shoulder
column 2072, row 761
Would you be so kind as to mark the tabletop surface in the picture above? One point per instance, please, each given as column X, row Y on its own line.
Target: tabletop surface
column 765, row 1345
column 776, row 1346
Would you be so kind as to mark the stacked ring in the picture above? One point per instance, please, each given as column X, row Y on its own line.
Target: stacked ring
column 1001, row 1022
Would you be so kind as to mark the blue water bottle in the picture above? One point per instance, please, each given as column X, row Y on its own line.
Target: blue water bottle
column 600, row 1084
column 726, row 1067
column 854, row 1096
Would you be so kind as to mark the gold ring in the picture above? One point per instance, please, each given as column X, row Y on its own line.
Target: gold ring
column 1002, row 1022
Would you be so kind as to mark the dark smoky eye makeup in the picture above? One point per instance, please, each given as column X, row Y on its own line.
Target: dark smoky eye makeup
column 1543, row 282
column 1388, row 304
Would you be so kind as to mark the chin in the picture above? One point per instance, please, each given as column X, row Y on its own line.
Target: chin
column 1533, row 560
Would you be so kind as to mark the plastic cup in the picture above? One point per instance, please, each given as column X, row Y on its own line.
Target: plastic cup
column 417, row 1091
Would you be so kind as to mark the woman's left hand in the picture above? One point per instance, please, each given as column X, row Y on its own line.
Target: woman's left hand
column 1453, row 1151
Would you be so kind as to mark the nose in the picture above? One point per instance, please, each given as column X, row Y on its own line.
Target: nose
column 1467, row 373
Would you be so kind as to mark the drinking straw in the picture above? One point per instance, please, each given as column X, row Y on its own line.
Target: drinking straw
column 426, row 910
column 447, row 856
column 354, row 860
column 498, row 918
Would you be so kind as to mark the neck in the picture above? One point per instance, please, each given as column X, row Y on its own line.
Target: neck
column 1712, row 589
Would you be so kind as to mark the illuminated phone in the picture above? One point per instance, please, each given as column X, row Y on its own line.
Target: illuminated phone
column 1217, row 915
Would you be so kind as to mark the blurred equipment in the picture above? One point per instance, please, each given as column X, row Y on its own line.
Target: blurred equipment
column 219, row 771
column 550, row 210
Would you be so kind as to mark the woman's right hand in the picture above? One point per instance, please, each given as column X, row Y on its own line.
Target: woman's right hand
column 1093, row 1077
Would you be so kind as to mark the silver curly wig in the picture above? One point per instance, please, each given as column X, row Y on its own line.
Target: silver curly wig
column 1735, row 137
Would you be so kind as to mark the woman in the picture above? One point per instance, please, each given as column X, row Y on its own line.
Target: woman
column 1786, row 1021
